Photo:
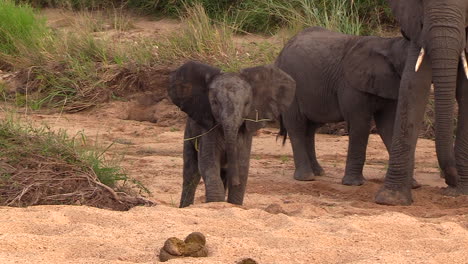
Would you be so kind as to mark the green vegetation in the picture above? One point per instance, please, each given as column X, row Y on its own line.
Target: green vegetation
column 40, row 166
column 352, row 17
column 265, row 16
column 203, row 39
column 284, row 159
column 18, row 141
column 22, row 34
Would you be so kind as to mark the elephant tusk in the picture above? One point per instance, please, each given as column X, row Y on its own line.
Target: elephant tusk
column 420, row 60
column 465, row 64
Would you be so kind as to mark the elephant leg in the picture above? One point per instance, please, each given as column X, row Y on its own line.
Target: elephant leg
column 413, row 95
column 310, row 148
column 191, row 176
column 460, row 185
column 358, row 127
column 236, row 193
column 210, row 169
column 296, row 125
column 384, row 121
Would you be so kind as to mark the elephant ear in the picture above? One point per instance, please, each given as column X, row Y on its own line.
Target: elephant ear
column 188, row 89
column 409, row 14
column 373, row 68
column 273, row 91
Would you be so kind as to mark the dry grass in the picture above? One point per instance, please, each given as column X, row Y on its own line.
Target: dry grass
column 38, row 166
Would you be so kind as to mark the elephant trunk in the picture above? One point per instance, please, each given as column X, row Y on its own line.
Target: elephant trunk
column 444, row 51
column 230, row 135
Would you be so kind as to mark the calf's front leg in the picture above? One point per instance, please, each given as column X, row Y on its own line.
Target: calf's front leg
column 210, row 169
column 236, row 193
column 191, row 176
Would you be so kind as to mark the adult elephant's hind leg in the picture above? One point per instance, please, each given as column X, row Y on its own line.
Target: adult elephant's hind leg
column 310, row 148
column 384, row 121
column 412, row 99
column 296, row 124
column 359, row 127
column 191, row 176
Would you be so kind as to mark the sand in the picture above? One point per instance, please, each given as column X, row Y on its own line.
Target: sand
column 282, row 220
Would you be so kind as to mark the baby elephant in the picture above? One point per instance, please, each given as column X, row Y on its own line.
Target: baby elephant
column 340, row 77
column 224, row 111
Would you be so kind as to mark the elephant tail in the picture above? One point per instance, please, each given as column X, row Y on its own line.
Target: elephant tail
column 282, row 132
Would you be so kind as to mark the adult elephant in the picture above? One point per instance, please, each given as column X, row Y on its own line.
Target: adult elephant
column 224, row 111
column 437, row 53
column 340, row 77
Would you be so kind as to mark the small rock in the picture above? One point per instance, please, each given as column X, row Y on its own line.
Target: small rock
column 247, row 261
column 275, row 209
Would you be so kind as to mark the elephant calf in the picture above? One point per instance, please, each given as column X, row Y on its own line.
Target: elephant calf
column 224, row 111
column 340, row 77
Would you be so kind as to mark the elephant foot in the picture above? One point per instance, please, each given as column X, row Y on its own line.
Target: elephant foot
column 213, row 198
column 353, row 180
column 415, row 184
column 450, row 175
column 318, row 170
column 387, row 196
column 304, row 176
column 455, row 191
column 185, row 202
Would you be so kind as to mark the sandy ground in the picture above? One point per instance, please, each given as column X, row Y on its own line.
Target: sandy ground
column 282, row 220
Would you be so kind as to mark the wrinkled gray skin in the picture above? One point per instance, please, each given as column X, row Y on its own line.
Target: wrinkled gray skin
column 440, row 28
column 217, row 105
column 340, row 77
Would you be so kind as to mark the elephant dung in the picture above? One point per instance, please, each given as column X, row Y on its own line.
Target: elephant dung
column 192, row 246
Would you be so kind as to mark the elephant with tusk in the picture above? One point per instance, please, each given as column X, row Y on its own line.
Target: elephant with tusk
column 437, row 31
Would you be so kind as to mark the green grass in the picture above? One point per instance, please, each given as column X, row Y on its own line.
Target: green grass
column 21, row 141
column 284, row 159
column 359, row 17
column 339, row 16
column 206, row 39
column 265, row 16
column 22, row 33
column 200, row 36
